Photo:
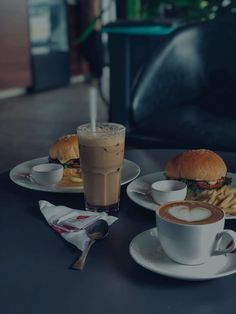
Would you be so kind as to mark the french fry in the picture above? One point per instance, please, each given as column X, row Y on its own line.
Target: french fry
column 221, row 190
column 210, row 192
column 230, row 210
column 216, row 202
column 76, row 179
column 233, row 201
column 220, row 197
column 225, row 202
column 212, row 198
column 225, row 198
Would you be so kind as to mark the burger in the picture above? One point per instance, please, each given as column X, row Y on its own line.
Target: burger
column 65, row 151
column 200, row 169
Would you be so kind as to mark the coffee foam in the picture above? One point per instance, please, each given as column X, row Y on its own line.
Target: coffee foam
column 190, row 212
column 189, row 215
column 107, row 134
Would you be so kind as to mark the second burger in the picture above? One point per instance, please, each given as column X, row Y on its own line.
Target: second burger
column 200, row 169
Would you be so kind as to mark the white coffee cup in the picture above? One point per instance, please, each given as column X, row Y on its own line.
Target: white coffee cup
column 191, row 232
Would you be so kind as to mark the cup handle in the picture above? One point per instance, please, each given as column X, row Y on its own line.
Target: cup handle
column 230, row 242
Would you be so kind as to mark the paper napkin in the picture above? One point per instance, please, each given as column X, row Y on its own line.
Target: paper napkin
column 71, row 223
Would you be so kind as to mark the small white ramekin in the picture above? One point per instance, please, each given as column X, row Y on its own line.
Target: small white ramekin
column 168, row 190
column 47, row 174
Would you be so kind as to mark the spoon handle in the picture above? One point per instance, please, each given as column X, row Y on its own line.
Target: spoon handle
column 79, row 263
column 144, row 193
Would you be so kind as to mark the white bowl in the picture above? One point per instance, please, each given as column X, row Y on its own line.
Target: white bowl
column 168, row 190
column 47, row 174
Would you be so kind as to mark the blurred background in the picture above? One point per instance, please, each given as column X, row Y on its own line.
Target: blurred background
column 52, row 50
column 50, row 43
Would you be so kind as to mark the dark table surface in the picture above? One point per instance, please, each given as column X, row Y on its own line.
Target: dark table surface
column 34, row 261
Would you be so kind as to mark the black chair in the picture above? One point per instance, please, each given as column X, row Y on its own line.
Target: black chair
column 186, row 95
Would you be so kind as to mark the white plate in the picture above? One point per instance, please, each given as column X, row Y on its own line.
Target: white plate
column 130, row 171
column 144, row 184
column 146, row 250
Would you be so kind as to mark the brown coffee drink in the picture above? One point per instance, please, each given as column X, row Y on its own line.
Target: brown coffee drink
column 190, row 212
column 102, row 154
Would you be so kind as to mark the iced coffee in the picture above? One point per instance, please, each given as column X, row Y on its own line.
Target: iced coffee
column 101, row 157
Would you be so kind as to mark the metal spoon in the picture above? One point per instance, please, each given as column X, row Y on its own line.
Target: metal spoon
column 98, row 230
column 141, row 192
column 24, row 175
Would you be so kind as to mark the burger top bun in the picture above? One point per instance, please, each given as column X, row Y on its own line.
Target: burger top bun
column 198, row 165
column 65, row 148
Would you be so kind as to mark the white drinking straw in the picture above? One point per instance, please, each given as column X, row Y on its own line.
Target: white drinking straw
column 93, row 107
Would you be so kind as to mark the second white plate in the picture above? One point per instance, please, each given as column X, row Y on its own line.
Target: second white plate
column 144, row 184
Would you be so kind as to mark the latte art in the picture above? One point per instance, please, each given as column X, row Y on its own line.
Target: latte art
column 190, row 212
column 189, row 215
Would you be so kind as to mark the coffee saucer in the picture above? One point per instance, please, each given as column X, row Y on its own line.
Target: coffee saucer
column 146, row 250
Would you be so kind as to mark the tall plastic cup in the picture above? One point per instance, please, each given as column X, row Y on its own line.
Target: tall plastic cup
column 101, row 157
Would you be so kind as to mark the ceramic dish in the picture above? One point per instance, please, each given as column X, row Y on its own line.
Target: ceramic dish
column 143, row 185
column 146, row 250
column 130, row 171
